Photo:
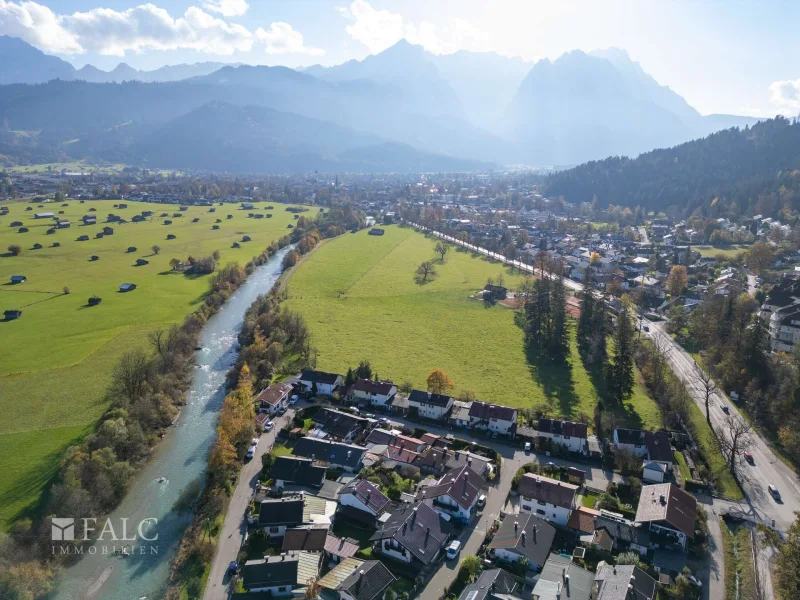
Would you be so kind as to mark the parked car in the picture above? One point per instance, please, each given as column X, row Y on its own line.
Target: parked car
column 647, row 328
column 774, row 492
column 481, row 501
column 749, row 458
column 293, row 400
column 254, row 442
column 527, row 446
column 233, row 567
column 282, row 410
column 251, row 452
column 269, row 426
column 453, row 549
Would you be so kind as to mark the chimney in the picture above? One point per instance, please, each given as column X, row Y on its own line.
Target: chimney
column 663, row 499
column 516, row 524
column 427, row 535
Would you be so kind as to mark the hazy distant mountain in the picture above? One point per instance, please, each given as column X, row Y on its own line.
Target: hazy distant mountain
column 223, row 137
column 584, row 107
column 409, row 70
column 22, row 63
column 484, row 81
column 124, row 72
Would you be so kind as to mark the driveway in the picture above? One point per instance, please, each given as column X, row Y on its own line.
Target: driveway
column 235, row 525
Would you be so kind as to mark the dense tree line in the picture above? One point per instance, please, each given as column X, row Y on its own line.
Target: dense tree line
column 745, row 172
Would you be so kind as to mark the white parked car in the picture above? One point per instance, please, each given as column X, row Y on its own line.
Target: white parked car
column 269, row 426
column 527, row 446
column 293, row 400
column 453, row 549
column 251, row 451
column 254, row 442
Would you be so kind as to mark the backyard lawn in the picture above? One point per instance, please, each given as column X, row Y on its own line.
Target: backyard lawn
column 59, row 355
column 362, row 301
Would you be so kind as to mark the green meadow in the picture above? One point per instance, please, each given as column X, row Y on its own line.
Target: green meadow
column 362, row 301
column 56, row 359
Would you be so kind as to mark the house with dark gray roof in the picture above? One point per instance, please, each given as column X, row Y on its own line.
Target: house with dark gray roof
column 650, row 445
column 493, row 417
column 525, row 537
column 550, row 499
column 623, row 582
column 368, row 582
column 414, row 533
column 429, row 405
column 364, row 496
column 493, row 584
column 571, row 436
column 340, row 426
column 561, row 579
column 337, row 454
column 455, row 494
column 284, row 575
column 298, row 471
column 614, row 533
column 439, row 460
column 323, row 383
column 279, row 514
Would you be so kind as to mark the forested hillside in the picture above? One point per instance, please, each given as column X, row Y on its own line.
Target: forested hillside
column 755, row 170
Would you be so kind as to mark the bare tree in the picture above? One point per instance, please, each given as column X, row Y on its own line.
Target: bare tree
column 426, row 269
column 441, row 250
column 131, row 375
column 707, row 386
column 663, row 349
column 158, row 339
column 542, row 261
column 735, row 438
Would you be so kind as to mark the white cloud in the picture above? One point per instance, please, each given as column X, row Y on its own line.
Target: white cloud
column 282, row 39
column 785, row 94
column 148, row 27
column 380, row 29
column 37, row 25
column 228, row 8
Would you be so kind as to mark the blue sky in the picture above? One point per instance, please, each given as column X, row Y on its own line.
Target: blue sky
column 726, row 57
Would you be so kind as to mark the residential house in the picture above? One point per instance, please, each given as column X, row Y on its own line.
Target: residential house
column 339, row 426
column 279, row 514
column 653, row 472
column 523, row 537
column 284, row 575
column 623, row 582
column 581, row 521
column 377, row 393
column 653, row 446
column 338, row 455
column 339, row 549
column 297, row 471
column 366, row 497
column 44, row 215
column 400, row 456
column 561, row 579
column 460, row 414
column 493, row 417
column 355, row 579
column 493, row 584
column 571, row 436
column 274, row 398
column 414, row 534
column 615, row 533
column 456, row 493
column 550, row 499
column 307, row 539
column 429, row 405
column 399, row 405
column 669, row 512
column 439, row 460
column 319, row 382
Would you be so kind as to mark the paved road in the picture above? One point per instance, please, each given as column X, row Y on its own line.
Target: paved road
column 751, row 284
column 768, row 468
column 235, row 524
column 643, row 234
column 714, row 578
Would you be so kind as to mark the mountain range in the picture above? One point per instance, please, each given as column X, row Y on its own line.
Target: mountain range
column 459, row 111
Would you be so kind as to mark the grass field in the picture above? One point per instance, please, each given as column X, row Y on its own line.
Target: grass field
column 52, row 381
column 729, row 252
column 723, row 479
column 361, row 300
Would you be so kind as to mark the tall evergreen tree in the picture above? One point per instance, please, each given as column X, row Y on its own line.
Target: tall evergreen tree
column 583, row 330
column 620, row 371
column 559, row 334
